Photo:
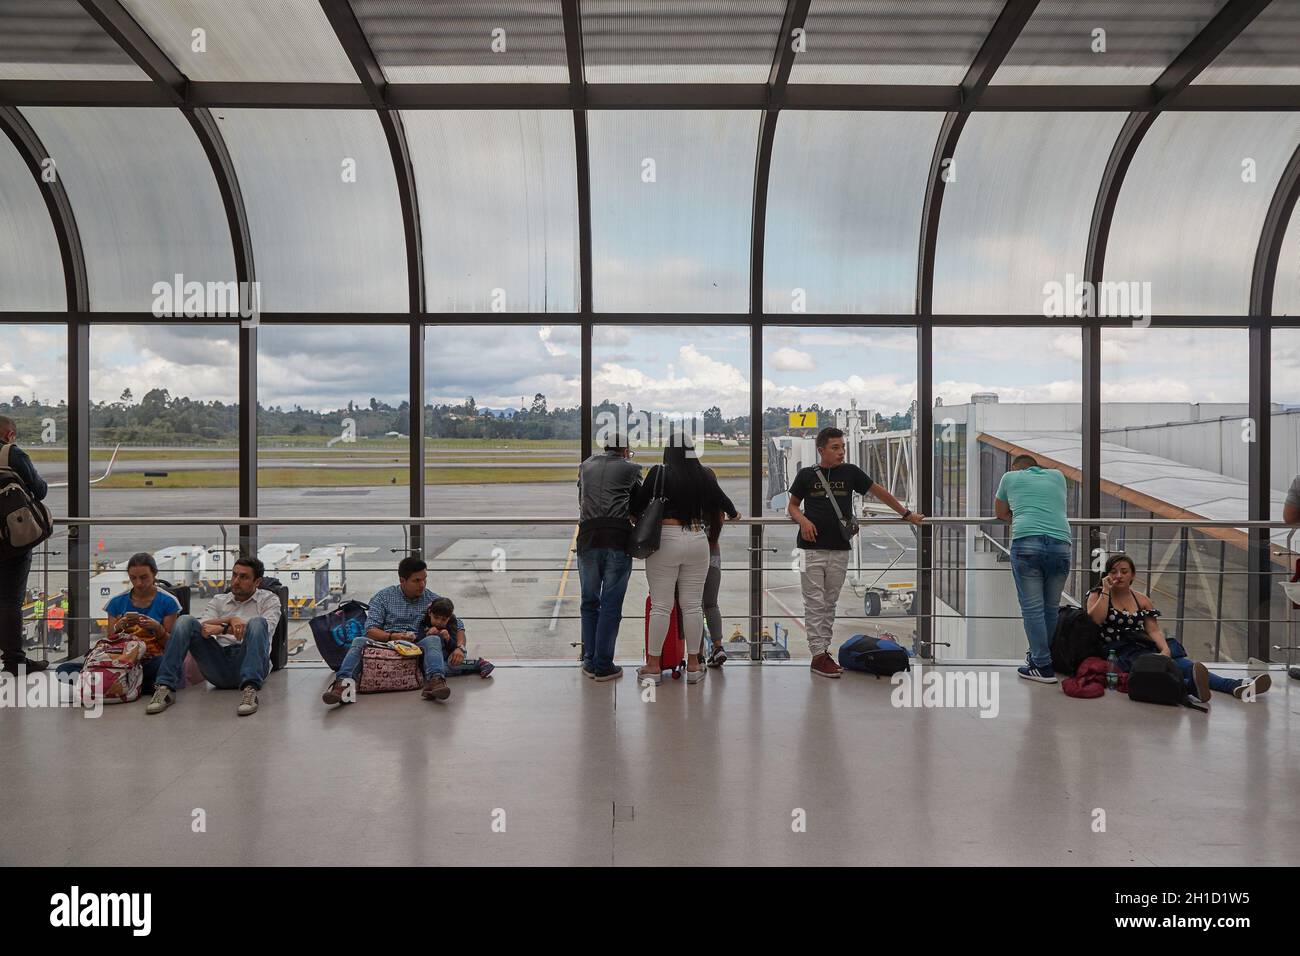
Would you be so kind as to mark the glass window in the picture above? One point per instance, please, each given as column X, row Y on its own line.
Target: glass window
column 270, row 41
column 322, row 207
column 31, row 269
column 1266, row 52
column 814, row 378
column 147, row 206
column 1286, row 287
column 502, row 438
column 705, row 41
column 332, row 439
column 843, row 209
column 929, row 42
column 1175, row 437
column 1190, row 211
column 998, row 393
column 672, row 196
column 1284, row 469
column 466, row 41
column 164, row 399
column 34, row 393
column 59, row 40
column 498, row 204
column 651, row 381
column 1099, row 41
column 1016, row 215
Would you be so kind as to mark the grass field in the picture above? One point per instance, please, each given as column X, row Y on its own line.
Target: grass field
column 357, row 477
column 278, row 456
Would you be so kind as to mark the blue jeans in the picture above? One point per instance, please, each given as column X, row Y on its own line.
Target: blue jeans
column 432, row 662
column 1224, row 685
column 237, row 666
column 603, row 573
column 1040, row 565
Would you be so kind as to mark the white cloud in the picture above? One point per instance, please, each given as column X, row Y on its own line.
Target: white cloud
column 786, row 359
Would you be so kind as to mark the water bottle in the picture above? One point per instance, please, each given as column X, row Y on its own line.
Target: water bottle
column 1112, row 671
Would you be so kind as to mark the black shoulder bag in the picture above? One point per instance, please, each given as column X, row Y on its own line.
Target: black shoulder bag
column 644, row 540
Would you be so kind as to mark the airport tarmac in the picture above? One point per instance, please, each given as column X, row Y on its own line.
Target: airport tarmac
column 528, row 609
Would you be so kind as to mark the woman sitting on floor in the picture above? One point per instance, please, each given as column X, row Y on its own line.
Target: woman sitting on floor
column 1129, row 628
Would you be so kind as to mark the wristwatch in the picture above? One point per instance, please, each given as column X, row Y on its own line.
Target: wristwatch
column 907, row 513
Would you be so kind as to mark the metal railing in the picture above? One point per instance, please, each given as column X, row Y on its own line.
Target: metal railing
column 758, row 611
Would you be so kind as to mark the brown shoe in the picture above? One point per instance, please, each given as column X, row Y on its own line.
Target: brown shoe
column 823, row 665
column 435, row 688
column 335, row 693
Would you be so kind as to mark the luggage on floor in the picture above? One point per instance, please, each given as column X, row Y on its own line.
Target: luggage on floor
column 673, row 657
column 384, row 669
column 115, row 665
column 1076, row 638
column 334, row 632
column 871, row 655
column 1156, row 679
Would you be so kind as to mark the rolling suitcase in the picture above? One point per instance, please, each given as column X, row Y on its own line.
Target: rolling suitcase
column 673, row 657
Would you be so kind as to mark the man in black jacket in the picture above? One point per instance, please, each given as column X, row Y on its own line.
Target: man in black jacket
column 14, row 571
column 606, row 483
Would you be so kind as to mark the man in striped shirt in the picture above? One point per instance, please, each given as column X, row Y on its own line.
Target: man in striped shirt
column 396, row 613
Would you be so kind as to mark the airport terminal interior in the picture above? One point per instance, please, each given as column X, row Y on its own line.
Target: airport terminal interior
column 338, row 282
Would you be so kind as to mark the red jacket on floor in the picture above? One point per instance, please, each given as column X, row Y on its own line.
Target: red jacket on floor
column 1090, row 680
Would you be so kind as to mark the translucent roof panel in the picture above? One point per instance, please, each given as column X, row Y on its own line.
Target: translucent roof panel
column 930, row 42
column 271, row 41
column 58, row 40
column 466, row 41
column 498, row 209
column 1190, row 211
column 843, row 210
column 1286, row 289
column 680, row 41
column 1103, row 41
column 1267, row 51
column 323, row 208
column 31, row 271
column 147, row 206
column 1017, row 214
column 672, row 196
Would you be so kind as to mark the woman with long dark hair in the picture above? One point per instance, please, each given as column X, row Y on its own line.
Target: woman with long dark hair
column 693, row 501
column 1129, row 628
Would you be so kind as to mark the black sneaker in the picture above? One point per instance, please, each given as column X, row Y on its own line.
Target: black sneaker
column 1042, row 673
column 613, row 672
column 31, row 666
column 587, row 671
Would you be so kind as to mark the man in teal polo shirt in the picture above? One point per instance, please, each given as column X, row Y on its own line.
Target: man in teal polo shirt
column 1033, row 500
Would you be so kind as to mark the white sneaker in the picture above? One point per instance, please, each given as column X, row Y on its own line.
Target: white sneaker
column 247, row 702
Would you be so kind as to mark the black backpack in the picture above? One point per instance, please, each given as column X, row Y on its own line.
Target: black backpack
column 1076, row 637
column 1155, row 679
column 24, row 521
column 863, row 653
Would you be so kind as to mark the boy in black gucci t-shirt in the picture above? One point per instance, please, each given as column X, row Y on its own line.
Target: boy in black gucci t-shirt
column 824, row 539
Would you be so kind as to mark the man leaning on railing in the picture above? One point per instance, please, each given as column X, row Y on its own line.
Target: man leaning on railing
column 14, row 569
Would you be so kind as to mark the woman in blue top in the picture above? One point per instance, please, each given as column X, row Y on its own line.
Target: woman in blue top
column 148, row 608
column 1127, row 619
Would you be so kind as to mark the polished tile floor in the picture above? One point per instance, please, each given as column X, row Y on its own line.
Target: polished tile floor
column 756, row 766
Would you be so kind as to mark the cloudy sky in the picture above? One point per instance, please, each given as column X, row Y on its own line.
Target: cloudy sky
column 669, row 369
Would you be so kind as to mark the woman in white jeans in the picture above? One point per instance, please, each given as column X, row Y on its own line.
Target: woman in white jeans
column 680, row 566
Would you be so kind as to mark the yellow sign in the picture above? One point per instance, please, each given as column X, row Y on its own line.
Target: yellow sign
column 803, row 419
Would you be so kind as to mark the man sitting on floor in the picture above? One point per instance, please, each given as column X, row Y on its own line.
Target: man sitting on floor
column 396, row 614
column 231, row 645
